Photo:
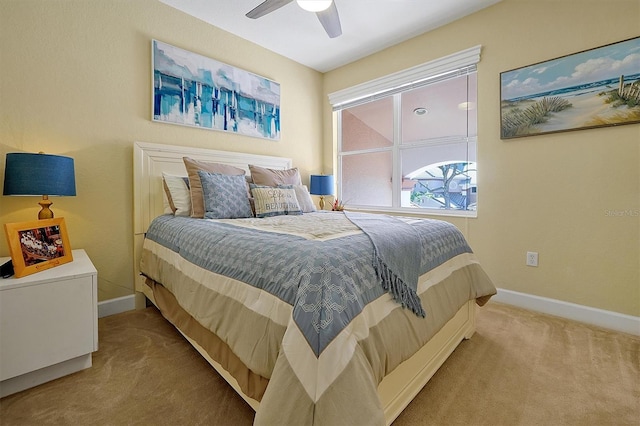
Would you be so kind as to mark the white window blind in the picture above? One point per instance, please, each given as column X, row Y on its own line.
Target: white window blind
column 459, row 63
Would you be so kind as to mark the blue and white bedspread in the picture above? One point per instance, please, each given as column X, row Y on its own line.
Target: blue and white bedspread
column 300, row 301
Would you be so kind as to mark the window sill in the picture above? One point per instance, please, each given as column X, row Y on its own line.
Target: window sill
column 415, row 212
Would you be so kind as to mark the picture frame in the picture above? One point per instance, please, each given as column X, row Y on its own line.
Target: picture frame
column 599, row 87
column 193, row 90
column 38, row 245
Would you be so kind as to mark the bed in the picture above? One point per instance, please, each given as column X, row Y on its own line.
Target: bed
column 312, row 318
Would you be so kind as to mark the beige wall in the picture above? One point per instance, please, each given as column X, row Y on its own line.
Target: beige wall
column 549, row 193
column 75, row 79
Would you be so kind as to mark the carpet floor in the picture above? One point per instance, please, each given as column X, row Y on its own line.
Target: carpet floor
column 520, row 368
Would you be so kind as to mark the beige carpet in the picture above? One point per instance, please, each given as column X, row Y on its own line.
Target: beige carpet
column 520, row 368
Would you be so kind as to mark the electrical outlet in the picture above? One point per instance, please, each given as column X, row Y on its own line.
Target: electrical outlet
column 532, row 258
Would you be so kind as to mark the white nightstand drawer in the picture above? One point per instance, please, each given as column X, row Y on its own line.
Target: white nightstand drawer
column 47, row 319
column 44, row 325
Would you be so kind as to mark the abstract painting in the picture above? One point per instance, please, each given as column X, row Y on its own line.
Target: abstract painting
column 594, row 88
column 194, row 90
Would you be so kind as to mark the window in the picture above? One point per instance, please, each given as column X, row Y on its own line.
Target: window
column 407, row 142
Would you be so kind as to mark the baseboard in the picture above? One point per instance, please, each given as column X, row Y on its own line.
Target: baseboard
column 116, row 306
column 599, row 317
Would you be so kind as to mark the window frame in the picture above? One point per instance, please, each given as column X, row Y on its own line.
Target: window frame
column 460, row 63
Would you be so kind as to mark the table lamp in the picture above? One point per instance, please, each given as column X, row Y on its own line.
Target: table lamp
column 321, row 185
column 39, row 175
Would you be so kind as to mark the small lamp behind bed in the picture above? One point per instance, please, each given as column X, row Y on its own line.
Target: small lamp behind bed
column 321, row 185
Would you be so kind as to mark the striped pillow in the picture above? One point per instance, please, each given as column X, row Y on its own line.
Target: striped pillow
column 176, row 189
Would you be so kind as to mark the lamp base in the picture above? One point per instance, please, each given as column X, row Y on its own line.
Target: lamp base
column 321, row 203
column 46, row 212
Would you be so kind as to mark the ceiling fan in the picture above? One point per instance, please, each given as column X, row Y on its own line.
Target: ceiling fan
column 325, row 10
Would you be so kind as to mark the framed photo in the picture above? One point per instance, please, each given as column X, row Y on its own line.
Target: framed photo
column 194, row 90
column 38, row 245
column 595, row 88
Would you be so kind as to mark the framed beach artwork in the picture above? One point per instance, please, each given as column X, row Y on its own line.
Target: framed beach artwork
column 594, row 88
column 193, row 90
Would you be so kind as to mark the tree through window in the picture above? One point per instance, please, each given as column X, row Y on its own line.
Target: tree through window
column 447, row 185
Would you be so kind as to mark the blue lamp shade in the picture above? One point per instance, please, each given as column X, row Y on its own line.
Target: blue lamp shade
column 321, row 185
column 40, row 175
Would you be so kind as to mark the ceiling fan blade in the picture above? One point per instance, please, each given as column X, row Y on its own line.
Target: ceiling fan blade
column 266, row 7
column 330, row 20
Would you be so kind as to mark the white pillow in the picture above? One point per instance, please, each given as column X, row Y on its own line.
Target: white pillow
column 303, row 196
column 177, row 191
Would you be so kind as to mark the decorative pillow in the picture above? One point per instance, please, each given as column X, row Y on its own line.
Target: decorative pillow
column 178, row 196
column 192, row 166
column 270, row 201
column 166, row 208
column 271, row 177
column 303, row 196
column 224, row 196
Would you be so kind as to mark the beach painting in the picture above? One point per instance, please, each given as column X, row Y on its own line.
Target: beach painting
column 193, row 90
column 594, row 88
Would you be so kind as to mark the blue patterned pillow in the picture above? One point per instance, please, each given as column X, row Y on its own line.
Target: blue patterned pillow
column 225, row 196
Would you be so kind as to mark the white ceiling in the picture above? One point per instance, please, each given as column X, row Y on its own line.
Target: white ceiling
column 368, row 26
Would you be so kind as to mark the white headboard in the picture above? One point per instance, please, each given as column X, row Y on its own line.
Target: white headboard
column 150, row 160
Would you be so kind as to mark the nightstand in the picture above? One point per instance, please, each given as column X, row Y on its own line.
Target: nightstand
column 48, row 324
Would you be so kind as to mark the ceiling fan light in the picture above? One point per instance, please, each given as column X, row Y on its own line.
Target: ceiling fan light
column 314, row 5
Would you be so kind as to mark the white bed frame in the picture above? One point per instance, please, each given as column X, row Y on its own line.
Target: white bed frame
column 149, row 161
column 397, row 389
